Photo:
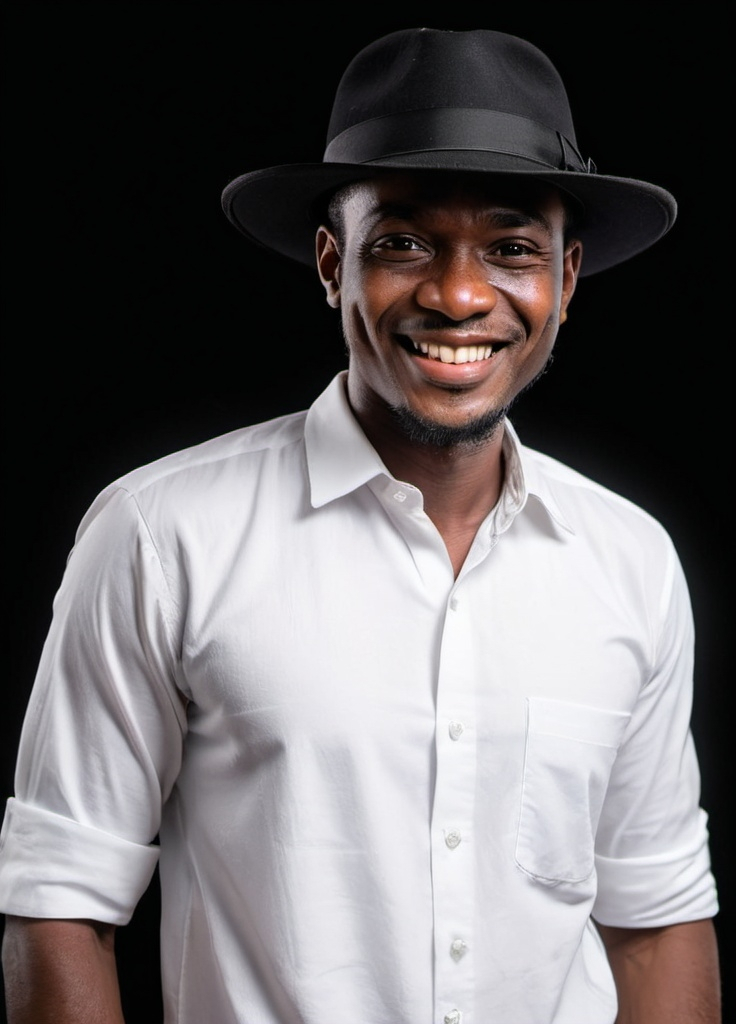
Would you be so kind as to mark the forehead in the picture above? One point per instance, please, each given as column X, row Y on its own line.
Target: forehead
column 411, row 196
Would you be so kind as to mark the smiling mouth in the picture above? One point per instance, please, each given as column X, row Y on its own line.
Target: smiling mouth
column 449, row 354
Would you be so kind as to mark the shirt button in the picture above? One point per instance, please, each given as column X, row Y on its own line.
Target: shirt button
column 399, row 496
column 454, row 602
column 456, row 730
column 458, row 949
column 452, row 838
column 453, row 1017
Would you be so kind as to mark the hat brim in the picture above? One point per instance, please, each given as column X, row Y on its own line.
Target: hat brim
column 281, row 207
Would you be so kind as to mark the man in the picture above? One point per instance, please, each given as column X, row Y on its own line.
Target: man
column 406, row 702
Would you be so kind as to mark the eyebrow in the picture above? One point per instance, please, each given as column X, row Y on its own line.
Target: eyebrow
column 514, row 218
column 502, row 217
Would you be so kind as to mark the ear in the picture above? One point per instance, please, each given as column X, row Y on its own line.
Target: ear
column 328, row 265
column 571, row 269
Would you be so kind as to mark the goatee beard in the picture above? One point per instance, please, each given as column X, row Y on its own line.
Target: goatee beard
column 437, row 435
column 470, row 435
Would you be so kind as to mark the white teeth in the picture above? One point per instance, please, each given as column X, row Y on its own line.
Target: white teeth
column 447, row 354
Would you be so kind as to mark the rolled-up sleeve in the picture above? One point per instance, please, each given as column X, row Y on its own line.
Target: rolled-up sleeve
column 661, row 889
column 652, row 854
column 101, row 743
column 55, row 867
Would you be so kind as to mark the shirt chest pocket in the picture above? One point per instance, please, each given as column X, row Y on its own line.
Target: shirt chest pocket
column 570, row 749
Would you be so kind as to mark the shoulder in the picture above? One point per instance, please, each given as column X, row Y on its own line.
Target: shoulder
column 215, row 473
column 605, row 528
column 586, row 502
column 218, row 454
column 610, row 538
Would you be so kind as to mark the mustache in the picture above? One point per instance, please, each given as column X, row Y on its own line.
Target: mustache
column 427, row 323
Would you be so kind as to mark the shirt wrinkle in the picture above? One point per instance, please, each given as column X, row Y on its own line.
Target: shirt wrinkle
column 391, row 787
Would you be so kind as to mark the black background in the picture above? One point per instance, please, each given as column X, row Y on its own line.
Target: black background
column 136, row 320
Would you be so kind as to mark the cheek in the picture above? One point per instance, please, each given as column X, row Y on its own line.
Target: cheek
column 367, row 306
column 539, row 304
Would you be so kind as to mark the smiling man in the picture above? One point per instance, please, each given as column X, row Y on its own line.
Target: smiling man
column 471, row 283
column 451, row 292
column 406, row 702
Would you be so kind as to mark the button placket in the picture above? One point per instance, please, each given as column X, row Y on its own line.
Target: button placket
column 453, row 819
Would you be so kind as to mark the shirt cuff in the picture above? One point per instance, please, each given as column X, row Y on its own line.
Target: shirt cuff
column 53, row 867
column 651, row 892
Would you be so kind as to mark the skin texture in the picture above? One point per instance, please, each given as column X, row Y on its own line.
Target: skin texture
column 410, row 262
column 431, row 260
column 665, row 975
column 60, row 971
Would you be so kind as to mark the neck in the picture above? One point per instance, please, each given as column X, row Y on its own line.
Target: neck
column 460, row 483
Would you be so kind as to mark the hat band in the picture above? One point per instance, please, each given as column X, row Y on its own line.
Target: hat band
column 454, row 128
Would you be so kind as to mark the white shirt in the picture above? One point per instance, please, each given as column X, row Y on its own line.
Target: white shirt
column 383, row 795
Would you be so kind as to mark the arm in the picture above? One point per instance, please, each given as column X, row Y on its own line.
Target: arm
column 100, row 750
column 665, row 975
column 60, row 971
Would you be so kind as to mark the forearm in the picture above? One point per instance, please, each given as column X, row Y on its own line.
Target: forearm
column 665, row 975
column 60, row 971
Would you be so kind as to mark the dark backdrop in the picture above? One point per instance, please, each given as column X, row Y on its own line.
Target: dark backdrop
column 136, row 320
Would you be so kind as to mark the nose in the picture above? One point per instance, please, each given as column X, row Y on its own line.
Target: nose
column 457, row 285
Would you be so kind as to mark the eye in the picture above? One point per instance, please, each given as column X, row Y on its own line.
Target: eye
column 513, row 250
column 397, row 247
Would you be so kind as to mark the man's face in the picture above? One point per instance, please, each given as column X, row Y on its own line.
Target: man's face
column 451, row 295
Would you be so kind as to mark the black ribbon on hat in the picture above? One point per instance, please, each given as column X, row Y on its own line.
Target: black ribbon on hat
column 455, row 128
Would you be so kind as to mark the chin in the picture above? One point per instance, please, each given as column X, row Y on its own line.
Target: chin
column 431, row 433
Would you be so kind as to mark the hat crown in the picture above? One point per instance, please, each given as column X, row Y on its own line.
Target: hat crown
column 422, row 69
column 479, row 102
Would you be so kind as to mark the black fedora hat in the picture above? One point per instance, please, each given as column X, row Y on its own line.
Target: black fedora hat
column 437, row 100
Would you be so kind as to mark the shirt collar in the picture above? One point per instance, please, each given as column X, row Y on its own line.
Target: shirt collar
column 340, row 458
column 526, row 480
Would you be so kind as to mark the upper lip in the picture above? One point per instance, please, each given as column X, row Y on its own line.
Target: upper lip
column 449, row 336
